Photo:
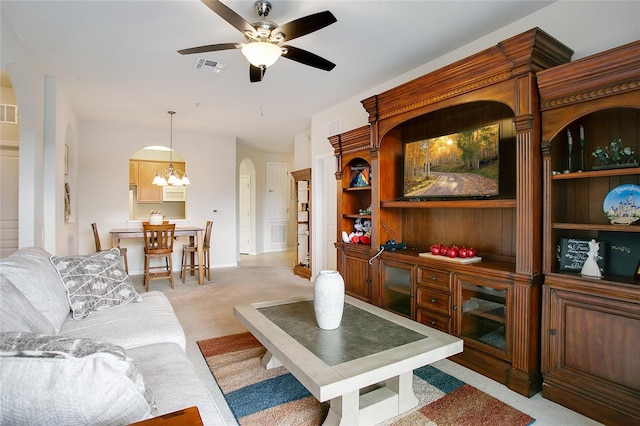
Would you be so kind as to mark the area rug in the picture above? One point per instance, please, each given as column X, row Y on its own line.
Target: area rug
column 258, row 396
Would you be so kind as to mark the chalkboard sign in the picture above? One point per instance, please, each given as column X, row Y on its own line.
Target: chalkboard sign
column 572, row 253
column 623, row 254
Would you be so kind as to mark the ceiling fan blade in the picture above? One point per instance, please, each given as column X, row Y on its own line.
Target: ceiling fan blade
column 209, row 48
column 256, row 73
column 307, row 58
column 230, row 16
column 304, row 25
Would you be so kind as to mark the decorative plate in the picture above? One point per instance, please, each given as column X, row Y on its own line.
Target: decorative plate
column 622, row 204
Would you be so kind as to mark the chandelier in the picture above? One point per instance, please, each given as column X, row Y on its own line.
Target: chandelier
column 171, row 176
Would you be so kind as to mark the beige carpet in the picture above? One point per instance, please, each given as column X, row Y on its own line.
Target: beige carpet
column 207, row 311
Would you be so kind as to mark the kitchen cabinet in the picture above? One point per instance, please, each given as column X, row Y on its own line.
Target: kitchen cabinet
column 147, row 170
column 133, row 172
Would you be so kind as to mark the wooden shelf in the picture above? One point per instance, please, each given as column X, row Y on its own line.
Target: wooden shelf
column 487, row 315
column 397, row 288
column 598, row 173
column 358, row 188
column 592, row 227
column 453, row 204
column 357, row 216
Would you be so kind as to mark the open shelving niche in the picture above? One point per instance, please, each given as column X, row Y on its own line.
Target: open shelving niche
column 302, row 182
column 352, row 151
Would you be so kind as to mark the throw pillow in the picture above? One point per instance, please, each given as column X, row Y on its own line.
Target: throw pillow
column 30, row 270
column 58, row 380
column 18, row 314
column 95, row 281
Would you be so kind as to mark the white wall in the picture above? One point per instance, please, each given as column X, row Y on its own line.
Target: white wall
column 302, row 151
column 211, row 160
column 587, row 27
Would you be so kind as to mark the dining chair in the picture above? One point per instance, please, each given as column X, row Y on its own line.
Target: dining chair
column 158, row 243
column 123, row 250
column 189, row 258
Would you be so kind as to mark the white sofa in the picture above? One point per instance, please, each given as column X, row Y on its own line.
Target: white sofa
column 37, row 324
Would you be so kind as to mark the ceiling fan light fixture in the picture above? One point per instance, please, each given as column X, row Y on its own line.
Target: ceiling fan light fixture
column 261, row 54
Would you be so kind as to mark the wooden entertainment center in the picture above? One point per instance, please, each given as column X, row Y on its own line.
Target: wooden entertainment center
column 496, row 304
column 494, row 86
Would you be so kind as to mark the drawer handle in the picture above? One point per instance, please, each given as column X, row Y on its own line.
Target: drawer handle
column 433, row 300
column 433, row 322
column 434, row 279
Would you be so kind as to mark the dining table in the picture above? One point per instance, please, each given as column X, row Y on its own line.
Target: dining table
column 195, row 234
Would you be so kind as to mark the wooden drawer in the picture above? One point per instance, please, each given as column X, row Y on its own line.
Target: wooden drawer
column 433, row 320
column 433, row 300
column 434, row 278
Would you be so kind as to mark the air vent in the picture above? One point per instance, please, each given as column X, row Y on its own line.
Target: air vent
column 209, row 65
column 333, row 127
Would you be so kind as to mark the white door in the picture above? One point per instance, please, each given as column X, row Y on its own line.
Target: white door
column 244, row 212
column 278, row 191
column 279, row 200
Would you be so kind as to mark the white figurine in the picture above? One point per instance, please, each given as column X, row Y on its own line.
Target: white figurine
column 590, row 267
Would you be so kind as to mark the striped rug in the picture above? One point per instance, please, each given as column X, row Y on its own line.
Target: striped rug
column 258, row 396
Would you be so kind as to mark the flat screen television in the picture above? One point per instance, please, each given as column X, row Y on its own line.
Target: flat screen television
column 458, row 165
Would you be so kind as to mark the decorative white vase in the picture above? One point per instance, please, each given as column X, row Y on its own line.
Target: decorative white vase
column 328, row 299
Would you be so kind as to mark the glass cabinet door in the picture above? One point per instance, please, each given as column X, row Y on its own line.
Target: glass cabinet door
column 397, row 288
column 484, row 315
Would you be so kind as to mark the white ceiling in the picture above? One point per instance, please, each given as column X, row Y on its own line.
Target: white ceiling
column 116, row 60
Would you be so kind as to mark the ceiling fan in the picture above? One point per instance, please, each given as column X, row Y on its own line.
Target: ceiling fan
column 264, row 37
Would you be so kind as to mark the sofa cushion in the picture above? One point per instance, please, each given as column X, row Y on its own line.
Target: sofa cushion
column 55, row 380
column 17, row 313
column 174, row 382
column 136, row 324
column 31, row 272
column 94, row 281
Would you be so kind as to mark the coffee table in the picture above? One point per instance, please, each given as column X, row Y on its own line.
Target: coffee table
column 364, row 367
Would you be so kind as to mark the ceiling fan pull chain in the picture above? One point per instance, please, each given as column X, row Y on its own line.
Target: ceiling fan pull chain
column 261, row 96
